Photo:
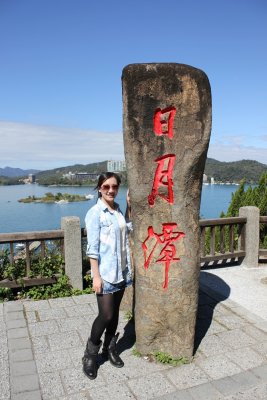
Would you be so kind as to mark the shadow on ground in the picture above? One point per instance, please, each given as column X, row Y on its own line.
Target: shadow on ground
column 128, row 339
column 212, row 291
column 125, row 342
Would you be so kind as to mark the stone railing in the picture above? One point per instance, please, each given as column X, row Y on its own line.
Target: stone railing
column 233, row 239
column 22, row 245
column 222, row 240
column 69, row 237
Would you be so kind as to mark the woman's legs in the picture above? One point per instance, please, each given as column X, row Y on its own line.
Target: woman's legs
column 109, row 344
column 108, row 315
column 112, row 326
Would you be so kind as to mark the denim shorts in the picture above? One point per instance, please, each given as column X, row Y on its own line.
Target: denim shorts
column 108, row 287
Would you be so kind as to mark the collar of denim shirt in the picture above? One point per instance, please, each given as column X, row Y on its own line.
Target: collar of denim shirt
column 104, row 207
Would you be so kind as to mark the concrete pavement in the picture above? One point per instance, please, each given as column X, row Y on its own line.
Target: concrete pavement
column 42, row 343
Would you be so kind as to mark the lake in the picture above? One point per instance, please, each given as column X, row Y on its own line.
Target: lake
column 21, row 217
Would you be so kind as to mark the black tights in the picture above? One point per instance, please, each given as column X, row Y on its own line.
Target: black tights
column 108, row 315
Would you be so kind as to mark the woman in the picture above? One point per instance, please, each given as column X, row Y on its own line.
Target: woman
column 109, row 255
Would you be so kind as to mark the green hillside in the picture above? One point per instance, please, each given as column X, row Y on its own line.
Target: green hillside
column 234, row 171
column 221, row 171
column 55, row 176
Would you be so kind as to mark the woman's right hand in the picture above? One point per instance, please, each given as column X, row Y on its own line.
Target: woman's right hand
column 97, row 284
column 128, row 200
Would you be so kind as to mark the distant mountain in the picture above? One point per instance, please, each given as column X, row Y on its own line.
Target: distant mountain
column 16, row 172
column 95, row 167
column 234, row 171
column 221, row 171
column 54, row 176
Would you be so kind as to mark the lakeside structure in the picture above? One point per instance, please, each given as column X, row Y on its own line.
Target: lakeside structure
column 111, row 166
column 80, row 176
column 31, row 179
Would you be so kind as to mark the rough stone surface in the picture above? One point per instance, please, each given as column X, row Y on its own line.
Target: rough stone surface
column 165, row 318
column 128, row 300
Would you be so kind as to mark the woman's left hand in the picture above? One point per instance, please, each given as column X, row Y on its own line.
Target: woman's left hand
column 97, row 284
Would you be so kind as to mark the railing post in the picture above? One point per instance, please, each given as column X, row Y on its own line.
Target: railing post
column 252, row 235
column 73, row 250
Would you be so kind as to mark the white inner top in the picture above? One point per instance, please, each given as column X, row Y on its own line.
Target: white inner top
column 122, row 225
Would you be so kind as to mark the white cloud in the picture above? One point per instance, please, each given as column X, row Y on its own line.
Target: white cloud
column 235, row 148
column 46, row 147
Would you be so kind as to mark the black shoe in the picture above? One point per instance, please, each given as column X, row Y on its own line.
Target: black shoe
column 90, row 359
column 113, row 356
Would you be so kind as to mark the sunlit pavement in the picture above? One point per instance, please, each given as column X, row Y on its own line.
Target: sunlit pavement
column 42, row 343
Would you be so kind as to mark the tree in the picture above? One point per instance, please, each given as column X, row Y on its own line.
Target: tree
column 257, row 197
column 237, row 200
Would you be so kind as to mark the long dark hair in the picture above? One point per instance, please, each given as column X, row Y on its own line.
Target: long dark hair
column 103, row 177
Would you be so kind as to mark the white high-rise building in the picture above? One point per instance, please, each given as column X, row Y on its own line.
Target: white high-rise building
column 113, row 166
column 205, row 178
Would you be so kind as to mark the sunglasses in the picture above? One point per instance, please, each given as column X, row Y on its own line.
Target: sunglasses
column 107, row 187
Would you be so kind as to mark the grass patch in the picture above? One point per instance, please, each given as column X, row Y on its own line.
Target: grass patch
column 128, row 316
column 165, row 358
column 136, row 353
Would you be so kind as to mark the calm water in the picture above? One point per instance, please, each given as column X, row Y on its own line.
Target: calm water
column 20, row 217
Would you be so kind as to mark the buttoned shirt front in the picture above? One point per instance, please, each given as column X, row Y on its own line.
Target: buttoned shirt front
column 104, row 241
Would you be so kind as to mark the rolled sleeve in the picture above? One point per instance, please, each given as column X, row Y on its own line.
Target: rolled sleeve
column 92, row 223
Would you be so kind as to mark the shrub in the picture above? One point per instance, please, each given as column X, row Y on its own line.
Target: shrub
column 47, row 267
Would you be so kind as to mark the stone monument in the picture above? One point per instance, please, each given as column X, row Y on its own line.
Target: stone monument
column 167, row 123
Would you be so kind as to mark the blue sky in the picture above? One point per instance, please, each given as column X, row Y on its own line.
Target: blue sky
column 61, row 64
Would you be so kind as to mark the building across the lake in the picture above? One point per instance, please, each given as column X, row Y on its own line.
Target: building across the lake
column 31, row 178
column 111, row 166
column 81, row 176
column 205, row 178
column 116, row 166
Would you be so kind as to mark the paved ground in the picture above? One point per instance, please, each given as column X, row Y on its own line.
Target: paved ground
column 246, row 287
column 42, row 342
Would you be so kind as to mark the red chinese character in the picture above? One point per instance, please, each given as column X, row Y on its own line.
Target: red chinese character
column 163, row 177
column 163, row 121
column 164, row 240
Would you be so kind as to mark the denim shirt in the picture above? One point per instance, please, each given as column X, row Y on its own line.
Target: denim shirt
column 103, row 241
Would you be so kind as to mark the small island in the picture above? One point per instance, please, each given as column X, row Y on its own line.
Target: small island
column 58, row 198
